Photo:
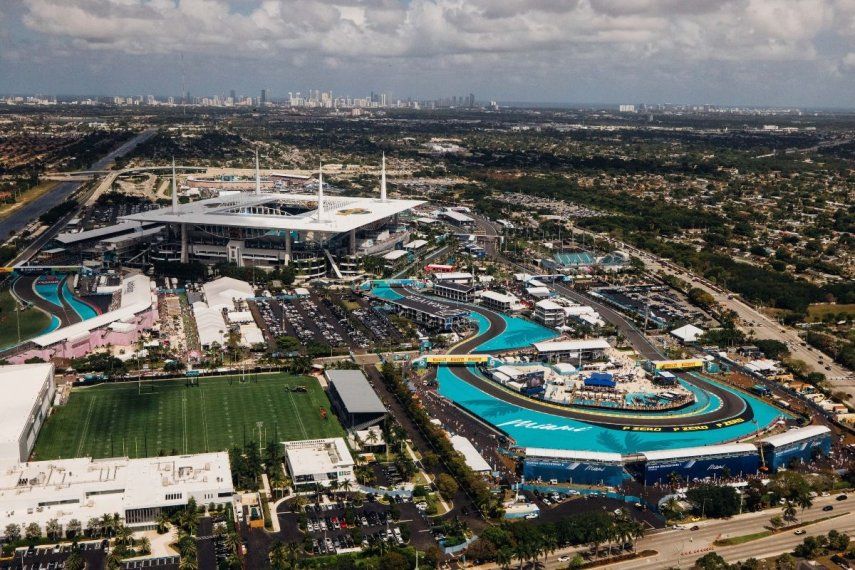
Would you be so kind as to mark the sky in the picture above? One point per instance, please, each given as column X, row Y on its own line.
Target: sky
column 726, row 52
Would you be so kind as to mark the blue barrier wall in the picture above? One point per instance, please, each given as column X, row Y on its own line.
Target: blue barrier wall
column 801, row 450
column 701, row 468
column 574, row 471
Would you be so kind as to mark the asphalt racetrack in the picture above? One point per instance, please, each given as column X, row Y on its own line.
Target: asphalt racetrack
column 733, row 409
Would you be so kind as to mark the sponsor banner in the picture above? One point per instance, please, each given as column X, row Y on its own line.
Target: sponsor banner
column 456, row 359
column 678, row 364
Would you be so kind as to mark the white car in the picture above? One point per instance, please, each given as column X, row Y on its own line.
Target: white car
column 531, row 516
column 564, row 559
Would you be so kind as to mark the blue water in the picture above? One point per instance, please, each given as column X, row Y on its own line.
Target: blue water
column 81, row 308
column 519, row 333
column 538, row 429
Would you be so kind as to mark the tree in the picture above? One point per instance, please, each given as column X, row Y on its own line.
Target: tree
column 776, row 521
column 75, row 560
column 789, row 511
column 711, row 561
column 73, row 528
column 446, row 485
column 33, row 531
column 838, row 541
column 785, row 562
column 714, row 501
column 13, row 532
column 53, row 529
column 278, row 556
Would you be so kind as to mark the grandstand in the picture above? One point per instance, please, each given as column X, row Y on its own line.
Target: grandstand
column 696, row 463
column 575, row 467
column 800, row 444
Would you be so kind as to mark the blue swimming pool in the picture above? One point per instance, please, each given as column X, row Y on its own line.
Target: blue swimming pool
column 537, row 429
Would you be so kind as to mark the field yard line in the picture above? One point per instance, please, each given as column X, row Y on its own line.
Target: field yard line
column 204, row 416
column 297, row 413
column 184, row 415
column 85, row 427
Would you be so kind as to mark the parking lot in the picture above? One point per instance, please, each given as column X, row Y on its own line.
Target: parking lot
column 335, row 527
column 324, row 321
column 51, row 557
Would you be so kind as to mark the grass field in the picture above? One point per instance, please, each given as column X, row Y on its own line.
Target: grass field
column 818, row 311
column 33, row 321
column 111, row 420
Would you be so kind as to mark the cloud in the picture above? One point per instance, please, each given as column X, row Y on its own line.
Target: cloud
column 548, row 40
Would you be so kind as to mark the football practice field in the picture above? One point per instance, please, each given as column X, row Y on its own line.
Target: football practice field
column 168, row 416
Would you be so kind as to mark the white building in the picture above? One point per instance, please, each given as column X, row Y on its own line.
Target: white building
column 319, row 461
column 500, row 301
column 549, row 313
column 687, row 333
column 572, row 350
column 137, row 489
column 28, row 391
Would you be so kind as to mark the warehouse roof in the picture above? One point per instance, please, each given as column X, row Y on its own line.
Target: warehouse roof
column 21, row 385
column 796, row 435
column 355, row 392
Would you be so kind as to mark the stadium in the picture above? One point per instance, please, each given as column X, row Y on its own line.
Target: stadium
column 319, row 236
column 566, row 444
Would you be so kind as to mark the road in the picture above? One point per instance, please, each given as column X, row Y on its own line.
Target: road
column 753, row 321
column 24, row 215
column 679, row 548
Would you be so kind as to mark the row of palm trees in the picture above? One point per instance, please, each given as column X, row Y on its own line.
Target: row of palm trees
column 623, row 530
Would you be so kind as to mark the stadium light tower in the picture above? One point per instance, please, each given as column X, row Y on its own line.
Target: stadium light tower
column 320, row 191
column 257, row 175
column 174, row 188
column 383, row 179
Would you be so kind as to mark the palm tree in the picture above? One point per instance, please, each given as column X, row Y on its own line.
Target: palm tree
column 346, row 486
column 73, row 528
column 93, row 526
column 789, row 510
column 75, row 560
column 504, row 557
column 188, row 563
column 144, row 545
column 53, row 529
column 521, row 552
column 123, row 535
column 162, row 522
column 278, row 556
column 293, row 550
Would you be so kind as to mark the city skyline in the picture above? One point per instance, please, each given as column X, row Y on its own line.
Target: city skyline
column 753, row 53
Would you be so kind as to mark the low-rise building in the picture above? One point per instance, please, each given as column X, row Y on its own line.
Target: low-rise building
column 496, row 301
column 461, row 292
column 28, row 391
column 353, row 399
column 581, row 350
column 549, row 313
column 139, row 490
column 319, row 461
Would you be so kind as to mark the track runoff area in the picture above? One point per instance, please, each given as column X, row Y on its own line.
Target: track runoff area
column 150, row 418
column 734, row 408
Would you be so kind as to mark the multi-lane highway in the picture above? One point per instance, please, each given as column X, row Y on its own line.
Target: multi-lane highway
column 680, row 548
column 25, row 214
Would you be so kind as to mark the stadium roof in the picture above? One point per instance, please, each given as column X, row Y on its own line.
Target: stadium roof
column 355, row 392
column 261, row 211
column 21, row 384
column 68, row 238
column 795, row 435
column 573, row 455
column 429, row 307
column 565, row 345
column 695, row 452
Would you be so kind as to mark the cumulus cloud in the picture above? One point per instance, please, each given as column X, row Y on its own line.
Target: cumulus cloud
column 671, row 39
column 693, row 29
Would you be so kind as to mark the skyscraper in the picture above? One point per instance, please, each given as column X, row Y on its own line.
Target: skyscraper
column 263, row 101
